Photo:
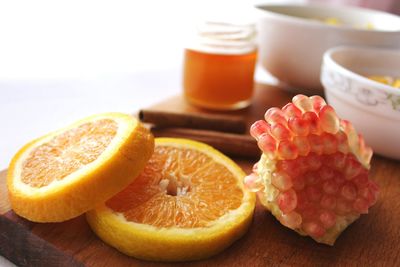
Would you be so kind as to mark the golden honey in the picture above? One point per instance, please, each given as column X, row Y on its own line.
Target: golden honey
column 218, row 71
column 218, row 81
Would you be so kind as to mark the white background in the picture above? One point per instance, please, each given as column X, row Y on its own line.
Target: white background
column 60, row 61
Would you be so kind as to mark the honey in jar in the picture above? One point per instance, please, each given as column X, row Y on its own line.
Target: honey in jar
column 219, row 68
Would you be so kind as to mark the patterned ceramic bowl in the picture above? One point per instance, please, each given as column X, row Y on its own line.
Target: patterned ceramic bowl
column 372, row 107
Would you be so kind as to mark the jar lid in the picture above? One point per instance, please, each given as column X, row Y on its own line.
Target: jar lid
column 224, row 37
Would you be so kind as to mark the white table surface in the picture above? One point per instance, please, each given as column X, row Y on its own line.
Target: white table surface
column 29, row 109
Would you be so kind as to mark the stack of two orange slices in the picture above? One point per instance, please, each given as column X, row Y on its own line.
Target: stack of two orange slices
column 180, row 199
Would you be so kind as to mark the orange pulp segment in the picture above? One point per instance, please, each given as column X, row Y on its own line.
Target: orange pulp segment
column 68, row 152
column 179, row 187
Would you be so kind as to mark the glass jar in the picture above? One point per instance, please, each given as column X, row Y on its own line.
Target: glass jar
column 219, row 66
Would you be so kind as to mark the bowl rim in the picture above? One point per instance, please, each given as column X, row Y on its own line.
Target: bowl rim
column 328, row 59
column 336, row 8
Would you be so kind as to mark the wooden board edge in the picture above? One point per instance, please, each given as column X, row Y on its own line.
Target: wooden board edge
column 20, row 246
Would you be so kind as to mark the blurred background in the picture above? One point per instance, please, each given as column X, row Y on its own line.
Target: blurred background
column 64, row 39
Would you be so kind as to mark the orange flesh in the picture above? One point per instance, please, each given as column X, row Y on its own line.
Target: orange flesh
column 212, row 191
column 67, row 152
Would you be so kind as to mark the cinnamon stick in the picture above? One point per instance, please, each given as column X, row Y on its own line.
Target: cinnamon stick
column 220, row 123
column 231, row 144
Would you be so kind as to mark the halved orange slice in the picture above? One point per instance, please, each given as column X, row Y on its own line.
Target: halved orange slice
column 188, row 203
column 65, row 173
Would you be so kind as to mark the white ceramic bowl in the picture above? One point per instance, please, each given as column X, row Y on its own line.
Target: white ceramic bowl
column 372, row 107
column 291, row 44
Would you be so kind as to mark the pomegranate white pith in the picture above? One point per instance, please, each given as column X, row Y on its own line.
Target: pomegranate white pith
column 313, row 173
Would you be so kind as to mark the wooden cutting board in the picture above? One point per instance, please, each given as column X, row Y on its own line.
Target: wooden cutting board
column 373, row 240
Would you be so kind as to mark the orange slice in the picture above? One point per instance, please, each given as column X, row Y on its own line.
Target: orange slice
column 65, row 173
column 188, row 203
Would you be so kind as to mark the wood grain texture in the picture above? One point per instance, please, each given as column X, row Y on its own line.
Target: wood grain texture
column 373, row 240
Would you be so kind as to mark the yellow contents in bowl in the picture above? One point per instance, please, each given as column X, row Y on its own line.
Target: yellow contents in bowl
column 337, row 22
column 394, row 82
column 332, row 21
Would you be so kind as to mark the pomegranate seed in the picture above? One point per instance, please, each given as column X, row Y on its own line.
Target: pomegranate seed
column 313, row 122
column 351, row 133
column 302, row 102
column 326, row 173
column 253, row 183
column 327, row 218
column 290, row 110
column 370, row 195
column 367, row 155
column 328, row 202
column 361, row 142
column 302, row 164
column 313, row 161
column 339, row 179
column 298, row 126
column 310, row 212
column 314, row 229
column 365, row 151
column 360, row 205
column 281, row 180
column 342, row 144
column 316, row 144
column 329, row 120
column 275, row 115
column 329, row 143
column 352, row 168
column 292, row 220
column 361, row 180
column 311, row 178
column 303, row 147
column 343, row 207
column 287, row 150
column 267, row 143
column 339, row 160
column 314, row 193
column 330, row 187
column 258, row 128
column 298, row 182
column 317, row 102
column 288, row 166
column 349, row 191
column 365, row 193
column 287, row 201
column 327, row 162
column 280, row 132
column 302, row 201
